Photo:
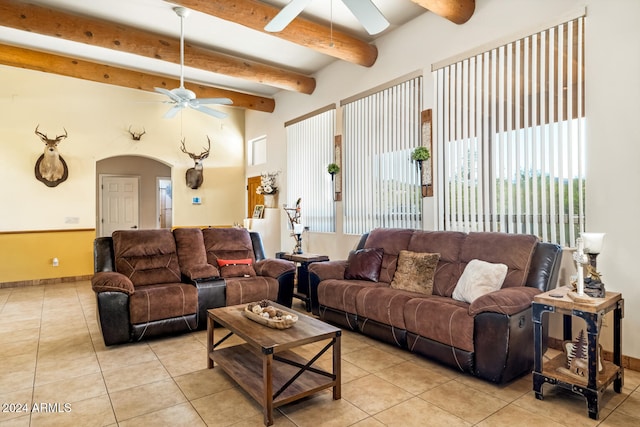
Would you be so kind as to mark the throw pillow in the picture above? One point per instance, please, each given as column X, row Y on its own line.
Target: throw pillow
column 415, row 271
column 479, row 278
column 364, row 264
column 236, row 268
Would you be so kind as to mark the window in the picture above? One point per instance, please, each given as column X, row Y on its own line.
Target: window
column 510, row 127
column 310, row 142
column 258, row 150
column 380, row 182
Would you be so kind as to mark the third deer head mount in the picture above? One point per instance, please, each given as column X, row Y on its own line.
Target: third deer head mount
column 194, row 175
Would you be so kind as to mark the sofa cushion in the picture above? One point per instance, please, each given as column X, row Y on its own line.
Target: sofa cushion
column 236, row 267
column 192, row 256
column 146, row 257
column 441, row 319
column 165, row 301
column 479, row 278
column 383, row 304
column 242, row 290
column 392, row 241
column 449, row 245
column 415, row 271
column 227, row 243
column 364, row 264
column 341, row 294
column 513, row 250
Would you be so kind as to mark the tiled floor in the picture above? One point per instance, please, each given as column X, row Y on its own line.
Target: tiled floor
column 52, row 355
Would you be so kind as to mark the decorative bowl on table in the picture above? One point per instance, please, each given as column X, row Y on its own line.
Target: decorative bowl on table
column 265, row 313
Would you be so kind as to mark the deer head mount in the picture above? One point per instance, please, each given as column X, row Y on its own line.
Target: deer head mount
column 51, row 169
column 194, row 175
column 137, row 135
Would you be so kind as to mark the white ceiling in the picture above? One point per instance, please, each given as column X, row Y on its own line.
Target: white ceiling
column 208, row 31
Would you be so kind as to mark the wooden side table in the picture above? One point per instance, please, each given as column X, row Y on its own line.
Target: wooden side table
column 302, row 273
column 595, row 383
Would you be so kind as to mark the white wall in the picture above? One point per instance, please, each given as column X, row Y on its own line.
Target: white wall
column 97, row 117
column 612, row 95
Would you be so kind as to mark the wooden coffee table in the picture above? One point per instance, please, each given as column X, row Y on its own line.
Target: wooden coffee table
column 264, row 365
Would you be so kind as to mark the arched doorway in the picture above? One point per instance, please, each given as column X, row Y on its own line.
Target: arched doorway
column 121, row 173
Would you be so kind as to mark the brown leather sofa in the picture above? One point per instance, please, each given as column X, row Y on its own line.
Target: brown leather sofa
column 157, row 282
column 491, row 337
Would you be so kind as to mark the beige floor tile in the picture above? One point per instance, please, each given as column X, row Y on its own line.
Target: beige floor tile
column 372, row 359
column 445, row 371
column 134, row 375
column 515, row 416
column 11, row 348
column 174, row 416
column 17, row 372
column 121, row 356
column 226, row 408
column 22, row 421
column 183, row 363
column 631, row 405
column 60, row 351
column 368, row 422
column 620, row 419
column 144, row 399
column 279, row 420
column 19, row 324
column 203, row 383
column 350, row 372
column 469, row 404
column 411, row 377
column 180, row 344
column 320, row 410
column 419, row 413
column 372, row 394
column 18, row 404
column 52, row 370
column 94, row 412
column 507, row 392
column 71, row 390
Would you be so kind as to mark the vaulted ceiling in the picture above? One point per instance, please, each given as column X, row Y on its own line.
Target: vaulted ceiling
column 135, row 43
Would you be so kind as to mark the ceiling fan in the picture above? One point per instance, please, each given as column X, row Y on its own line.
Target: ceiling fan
column 182, row 97
column 365, row 10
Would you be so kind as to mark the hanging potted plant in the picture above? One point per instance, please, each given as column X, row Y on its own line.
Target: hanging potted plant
column 333, row 169
column 420, row 154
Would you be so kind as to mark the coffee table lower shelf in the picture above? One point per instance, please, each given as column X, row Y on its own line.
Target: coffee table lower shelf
column 246, row 368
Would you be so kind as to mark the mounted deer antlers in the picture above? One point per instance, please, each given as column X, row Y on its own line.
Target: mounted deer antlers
column 137, row 135
column 194, row 175
column 51, row 169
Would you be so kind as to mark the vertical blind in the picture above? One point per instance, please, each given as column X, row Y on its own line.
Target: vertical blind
column 310, row 144
column 381, row 183
column 510, row 124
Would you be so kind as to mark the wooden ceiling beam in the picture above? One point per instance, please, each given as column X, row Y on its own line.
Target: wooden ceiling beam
column 41, row 20
column 255, row 15
column 86, row 70
column 456, row 11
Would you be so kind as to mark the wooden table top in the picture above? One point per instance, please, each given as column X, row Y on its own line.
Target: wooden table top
column 305, row 257
column 306, row 330
column 560, row 298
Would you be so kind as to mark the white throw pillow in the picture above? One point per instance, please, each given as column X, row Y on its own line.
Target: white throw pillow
column 479, row 278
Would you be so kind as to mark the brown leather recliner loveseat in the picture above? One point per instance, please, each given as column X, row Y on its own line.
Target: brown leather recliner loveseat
column 157, row 282
column 487, row 333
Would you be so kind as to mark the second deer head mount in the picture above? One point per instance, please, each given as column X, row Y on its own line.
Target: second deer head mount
column 137, row 135
column 194, row 175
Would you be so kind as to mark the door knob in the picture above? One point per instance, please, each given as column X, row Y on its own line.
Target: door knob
column 135, row 226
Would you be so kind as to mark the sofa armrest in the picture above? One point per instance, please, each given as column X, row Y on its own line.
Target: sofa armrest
column 110, row 281
column 329, row 269
column 504, row 301
column 273, row 267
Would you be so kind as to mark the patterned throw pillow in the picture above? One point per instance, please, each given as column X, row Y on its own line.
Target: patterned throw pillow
column 236, row 268
column 415, row 271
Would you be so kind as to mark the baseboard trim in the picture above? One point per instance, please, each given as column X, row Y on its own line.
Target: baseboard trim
column 37, row 282
column 628, row 362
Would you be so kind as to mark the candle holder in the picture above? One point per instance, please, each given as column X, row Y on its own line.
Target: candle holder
column 580, row 259
column 592, row 247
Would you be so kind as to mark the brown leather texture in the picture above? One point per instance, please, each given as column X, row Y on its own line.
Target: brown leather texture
column 227, row 243
column 364, row 264
column 192, row 256
column 241, row 290
column 156, row 302
column 108, row 281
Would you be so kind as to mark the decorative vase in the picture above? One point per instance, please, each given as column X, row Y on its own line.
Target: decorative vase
column 271, row 200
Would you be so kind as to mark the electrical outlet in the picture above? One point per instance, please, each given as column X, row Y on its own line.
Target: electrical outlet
column 55, row 262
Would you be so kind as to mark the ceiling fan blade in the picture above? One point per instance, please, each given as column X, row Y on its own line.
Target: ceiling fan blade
column 286, row 15
column 368, row 14
column 168, row 93
column 209, row 111
column 172, row 112
column 221, row 101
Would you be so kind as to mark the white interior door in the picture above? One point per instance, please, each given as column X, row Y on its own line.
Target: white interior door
column 120, row 203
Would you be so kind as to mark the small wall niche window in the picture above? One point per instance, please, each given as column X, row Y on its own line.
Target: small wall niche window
column 510, row 127
column 381, row 183
column 258, row 150
column 310, row 148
